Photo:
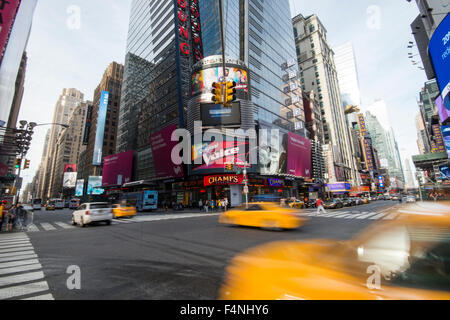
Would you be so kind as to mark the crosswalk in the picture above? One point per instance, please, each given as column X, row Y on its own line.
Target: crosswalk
column 21, row 275
column 354, row 215
column 67, row 225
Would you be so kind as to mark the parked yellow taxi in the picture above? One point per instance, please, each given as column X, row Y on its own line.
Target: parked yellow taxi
column 405, row 258
column 263, row 215
column 122, row 210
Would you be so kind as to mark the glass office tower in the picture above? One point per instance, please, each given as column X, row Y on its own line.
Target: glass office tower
column 261, row 35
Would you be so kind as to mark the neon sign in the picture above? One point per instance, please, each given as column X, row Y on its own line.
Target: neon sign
column 190, row 31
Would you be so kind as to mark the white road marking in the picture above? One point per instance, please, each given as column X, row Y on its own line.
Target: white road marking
column 7, row 281
column 18, row 263
column 43, row 297
column 65, row 225
column 33, row 228
column 17, row 269
column 378, row 216
column 17, row 258
column 368, row 215
column 16, row 254
column 14, row 244
column 353, row 216
column 26, row 289
column 392, row 216
column 47, row 226
column 5, row 250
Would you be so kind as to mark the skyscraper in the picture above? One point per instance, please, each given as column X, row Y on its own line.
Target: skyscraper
column 318, row 73
column 67, row 102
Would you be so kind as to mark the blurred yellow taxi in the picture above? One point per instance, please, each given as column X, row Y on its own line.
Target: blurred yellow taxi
column 122, row 210
column 365, row 200
column 50, row 206
column 297, row 204
column 406, row 258
column 263, row 215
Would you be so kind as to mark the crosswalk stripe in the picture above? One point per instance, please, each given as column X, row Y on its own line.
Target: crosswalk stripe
column 344, row 215
column 22, row 290
column 14, row 244
column 33, row 228
column 378, row 216
column 15, row 254
column 65, row 225
column 18, row 269
column 391, row 216
column 17, row 258
column 368, row 215
column 17, row 263
column 47, row 226
column 3, row 240
column 7, row 281
column 354, row 216
column 43, row 297
column 19, row 249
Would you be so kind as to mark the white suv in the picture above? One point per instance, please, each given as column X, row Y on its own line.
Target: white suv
column 92, row 212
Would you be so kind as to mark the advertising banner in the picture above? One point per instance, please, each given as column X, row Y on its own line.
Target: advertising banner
column 117, row 169
column 202, row 80
column 216, row 114
column 79, row 189
column 366, row 143
column 94, row 183
column 214, row 155
column 299, row 156
column 69, row 180
column 444, row 113
column 273, row 151
column 439, row 50
column 445, row 172
column 100, row 133
column 161, row 144
column 446, row 135
column 70, row 167
column 339, row 187
column 3, row 169
column 8, row 10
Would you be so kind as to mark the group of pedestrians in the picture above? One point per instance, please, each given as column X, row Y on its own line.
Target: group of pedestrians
column 13, row 216
column 213, row 205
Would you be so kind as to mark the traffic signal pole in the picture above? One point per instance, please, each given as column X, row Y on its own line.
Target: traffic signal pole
column 222, row 39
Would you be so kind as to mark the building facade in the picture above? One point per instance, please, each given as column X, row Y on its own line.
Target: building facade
column 318, row 73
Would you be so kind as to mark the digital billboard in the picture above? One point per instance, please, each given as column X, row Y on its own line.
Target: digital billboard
column 79, row 189
column 70, row 167
column 202, row 80
column 94, row 185
column 299, row 156
column 216, row 114
column 8, row 10
column 273, row 151
column 117, row 169
column 439, row 50
column 161, row 144
column 209, row 157
column 69, row 180
column 444, row 113
column 446, row 134
column 100, row 132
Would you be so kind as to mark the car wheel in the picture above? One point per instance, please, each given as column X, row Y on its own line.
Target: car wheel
column 73, row 221
column 82, row 223
column 108, row 222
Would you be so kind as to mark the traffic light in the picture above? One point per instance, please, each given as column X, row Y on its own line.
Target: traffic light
column 230, row 93
column 229, row 166
column 18, row 163
column 26, row 165
column 217, row 92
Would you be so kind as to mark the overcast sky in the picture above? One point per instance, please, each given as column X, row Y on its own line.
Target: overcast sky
column 67, row 52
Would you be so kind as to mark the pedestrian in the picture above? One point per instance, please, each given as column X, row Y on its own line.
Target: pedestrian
column 319, row 205
column 206, row 206
column 11, row 219
column 226, row 204
column 200, row 205
column 2, row 213
column 213, row 205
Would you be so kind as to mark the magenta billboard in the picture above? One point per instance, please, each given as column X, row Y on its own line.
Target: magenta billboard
column 299, row 156
column 444, row 113
column 117, row 169
column 8, row 10
column 161, row 144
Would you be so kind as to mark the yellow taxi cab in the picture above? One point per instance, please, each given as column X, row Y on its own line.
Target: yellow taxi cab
column 122, row 210
column 263, row 215
column 297, row 204
column 51, row 206
column 365, row 200
column 406, row 258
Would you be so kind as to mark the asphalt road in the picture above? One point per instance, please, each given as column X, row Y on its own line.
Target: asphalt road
column 152, row 256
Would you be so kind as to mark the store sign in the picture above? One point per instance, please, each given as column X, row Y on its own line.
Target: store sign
column 8, row 10
column 223, row 180
column 275, row 182
column 190, row 31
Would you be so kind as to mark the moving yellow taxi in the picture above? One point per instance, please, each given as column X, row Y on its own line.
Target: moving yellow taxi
column 51, row 206
column 122, row 210
column 263, row 215
column 297, row 204
column 406, row 258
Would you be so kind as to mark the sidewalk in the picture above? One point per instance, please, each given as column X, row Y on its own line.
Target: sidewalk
column 171, row 212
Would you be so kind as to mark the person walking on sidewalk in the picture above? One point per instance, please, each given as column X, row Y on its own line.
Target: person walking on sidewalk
column 320, row 207
column 206, row 206
column 2, row 213
column 200, row 205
